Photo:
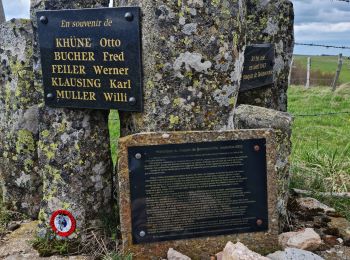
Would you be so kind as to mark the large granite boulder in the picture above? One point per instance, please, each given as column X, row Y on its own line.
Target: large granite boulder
column 193, row 53
column 2, row 13
column 271, row 22
column 74, row 150
column 19, row 98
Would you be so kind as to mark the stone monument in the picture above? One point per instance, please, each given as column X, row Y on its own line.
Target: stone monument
column 73, row 151
column 193, row 57
column 19, row 113
column 271, row 22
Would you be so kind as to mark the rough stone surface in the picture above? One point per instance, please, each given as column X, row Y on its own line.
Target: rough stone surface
column 306, row 239
column 74, row 152
column 340, row 227
column 271, row 22
column 20, row 180
column 239, row 251
column 2, row 13
column 192, row 62
column 310, row 204
column 17, row 245
column 194, row 86
column 254, row 117
column 293, row 254
column 261, row 242
column 175, row 255
column 74, row 160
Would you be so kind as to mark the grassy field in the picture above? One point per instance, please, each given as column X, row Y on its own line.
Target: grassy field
column 327, row 64
column 321, row 143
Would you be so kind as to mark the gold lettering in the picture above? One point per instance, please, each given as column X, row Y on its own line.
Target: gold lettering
column 73, row 42
column 75, row 95
column 119, row 84
column 115, row 97
column 96, row 23
column 74, row 56
column 113, row 56
column 110, row 71
column 104, row 42
column 76, row 82
column 68, row 69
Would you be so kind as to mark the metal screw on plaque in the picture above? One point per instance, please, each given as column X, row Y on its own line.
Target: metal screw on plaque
column 256, row 148
column 259, row 222
column 138, row 156
column 49, row 96
column 142, row 233
column 43, row 19
column 129, row 16
column 132, row 101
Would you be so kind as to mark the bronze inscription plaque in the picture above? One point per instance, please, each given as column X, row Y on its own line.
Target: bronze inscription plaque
column 200, row 189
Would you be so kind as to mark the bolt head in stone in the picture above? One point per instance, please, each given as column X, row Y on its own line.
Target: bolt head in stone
column 259, row 222
column 142, row 233
column 256, row 148
column 49, row 96
column 132, row 101
column 43, row 19
column 138, row 156
column 129, row 16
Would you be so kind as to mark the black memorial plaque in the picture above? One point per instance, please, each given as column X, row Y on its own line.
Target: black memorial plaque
column 91, row 58
column 258, row 66
column 192, row 190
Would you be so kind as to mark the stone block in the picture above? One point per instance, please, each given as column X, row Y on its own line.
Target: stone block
column 254, row 117
column 261, row 242
column 2, row 13
column 19, row 99
column 193, row 53
column 271, row 22
column 74, row 150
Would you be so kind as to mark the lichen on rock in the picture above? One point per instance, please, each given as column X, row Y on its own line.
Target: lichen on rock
column 74, row 151
column 271, row 22
column 19, row 99
column 191, row 49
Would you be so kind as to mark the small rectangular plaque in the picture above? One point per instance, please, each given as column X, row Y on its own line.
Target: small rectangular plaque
column 190, row 190
column 91, row 58
column 258, row 66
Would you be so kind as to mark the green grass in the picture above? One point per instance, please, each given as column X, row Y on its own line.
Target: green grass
column 114, row 133
column 327, row 64
column 321, row 144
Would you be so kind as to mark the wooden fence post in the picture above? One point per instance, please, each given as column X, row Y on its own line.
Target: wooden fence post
column 307, row 85
column 340, row 64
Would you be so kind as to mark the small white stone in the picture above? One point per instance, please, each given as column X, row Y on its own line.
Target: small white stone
column 175, row 255
column 239, row 251
column 306, row 239
column 165, row 136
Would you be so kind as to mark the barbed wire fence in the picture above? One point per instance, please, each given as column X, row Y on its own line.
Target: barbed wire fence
column 303, row 72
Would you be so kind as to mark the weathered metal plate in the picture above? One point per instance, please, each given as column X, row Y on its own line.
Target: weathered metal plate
column 201, row 189
column 91, row 58
column 259, row 61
